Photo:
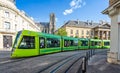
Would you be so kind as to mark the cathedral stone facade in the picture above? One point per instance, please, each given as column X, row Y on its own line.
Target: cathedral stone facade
column 48, row 27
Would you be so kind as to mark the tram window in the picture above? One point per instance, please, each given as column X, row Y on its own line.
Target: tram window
column 98, row 43
column 28, row 42
column 107, row 43
column 92, row 43
column 52, row 42
column 42, row 42
column 71, row 42
column 75, row 42
column 66, row 43
column 84, row 43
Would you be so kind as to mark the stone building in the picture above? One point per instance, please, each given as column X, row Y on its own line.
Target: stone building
column 87, row 29
column 114, row 13
column 48, row 27
column 11, row 21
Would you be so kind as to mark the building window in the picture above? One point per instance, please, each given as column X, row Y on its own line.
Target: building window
column 82, row 32
column 87, row 36
column 71, row 31
column 91, row 32
column 7, row 25
column 87, row 33
column 77, row 32
column 15, row 26
column 82, row 37
column 7, row 14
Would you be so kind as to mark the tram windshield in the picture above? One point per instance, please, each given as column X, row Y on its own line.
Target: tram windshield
column 16, row 39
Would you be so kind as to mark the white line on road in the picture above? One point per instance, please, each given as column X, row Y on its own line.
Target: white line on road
column 5, row 62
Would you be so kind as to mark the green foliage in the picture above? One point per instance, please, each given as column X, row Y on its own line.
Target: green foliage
column 61, row 32
column 96, row 37
column 76, row 37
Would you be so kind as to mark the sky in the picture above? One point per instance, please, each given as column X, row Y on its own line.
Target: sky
column 64, row 10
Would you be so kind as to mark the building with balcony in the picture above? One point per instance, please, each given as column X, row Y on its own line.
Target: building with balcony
column 87, row 29
column 11, row 21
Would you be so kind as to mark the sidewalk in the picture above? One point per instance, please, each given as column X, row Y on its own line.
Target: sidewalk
column 98, row 64
column 4, row 54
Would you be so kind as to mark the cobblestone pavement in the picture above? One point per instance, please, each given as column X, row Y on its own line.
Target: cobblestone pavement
column 98, row 64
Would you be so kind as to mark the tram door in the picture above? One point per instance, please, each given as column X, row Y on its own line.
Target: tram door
column 7, row 41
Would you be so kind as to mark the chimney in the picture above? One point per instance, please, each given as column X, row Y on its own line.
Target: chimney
column 87, row 22
column 91, row 22
column 101, row 21
column 78, row 21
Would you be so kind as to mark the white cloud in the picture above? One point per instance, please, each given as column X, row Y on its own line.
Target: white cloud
column 68, row 11
column 74, row 4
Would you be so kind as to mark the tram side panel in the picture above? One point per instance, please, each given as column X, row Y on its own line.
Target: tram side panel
column 49, row 43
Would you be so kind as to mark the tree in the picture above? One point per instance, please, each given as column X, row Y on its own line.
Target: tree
column 61, row 32
column 76, row 37
column 96, row 37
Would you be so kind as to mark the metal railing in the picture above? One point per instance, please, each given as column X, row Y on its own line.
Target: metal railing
column 85, row 60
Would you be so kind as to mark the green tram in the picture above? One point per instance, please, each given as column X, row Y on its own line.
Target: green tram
column 83, row 43
column 69, row 43
column 105, row 43
column 95, row 43
column 30, row 43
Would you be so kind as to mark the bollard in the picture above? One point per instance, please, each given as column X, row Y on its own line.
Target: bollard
column 86, row 55
column 84, row 65
column 89, row 55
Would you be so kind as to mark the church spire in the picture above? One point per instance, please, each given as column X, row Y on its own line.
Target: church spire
column 52, row 23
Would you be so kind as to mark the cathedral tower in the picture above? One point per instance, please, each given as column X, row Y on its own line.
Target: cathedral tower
column 52, row 23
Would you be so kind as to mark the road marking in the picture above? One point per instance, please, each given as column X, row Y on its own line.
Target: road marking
column 5, row 62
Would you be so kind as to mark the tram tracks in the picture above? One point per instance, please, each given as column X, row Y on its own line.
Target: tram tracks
column 65, row 65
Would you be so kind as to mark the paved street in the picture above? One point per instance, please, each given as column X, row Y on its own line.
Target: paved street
column 41, row 63
column 64, row 62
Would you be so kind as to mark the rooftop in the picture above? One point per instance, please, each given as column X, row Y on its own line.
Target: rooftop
column 83, row 24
